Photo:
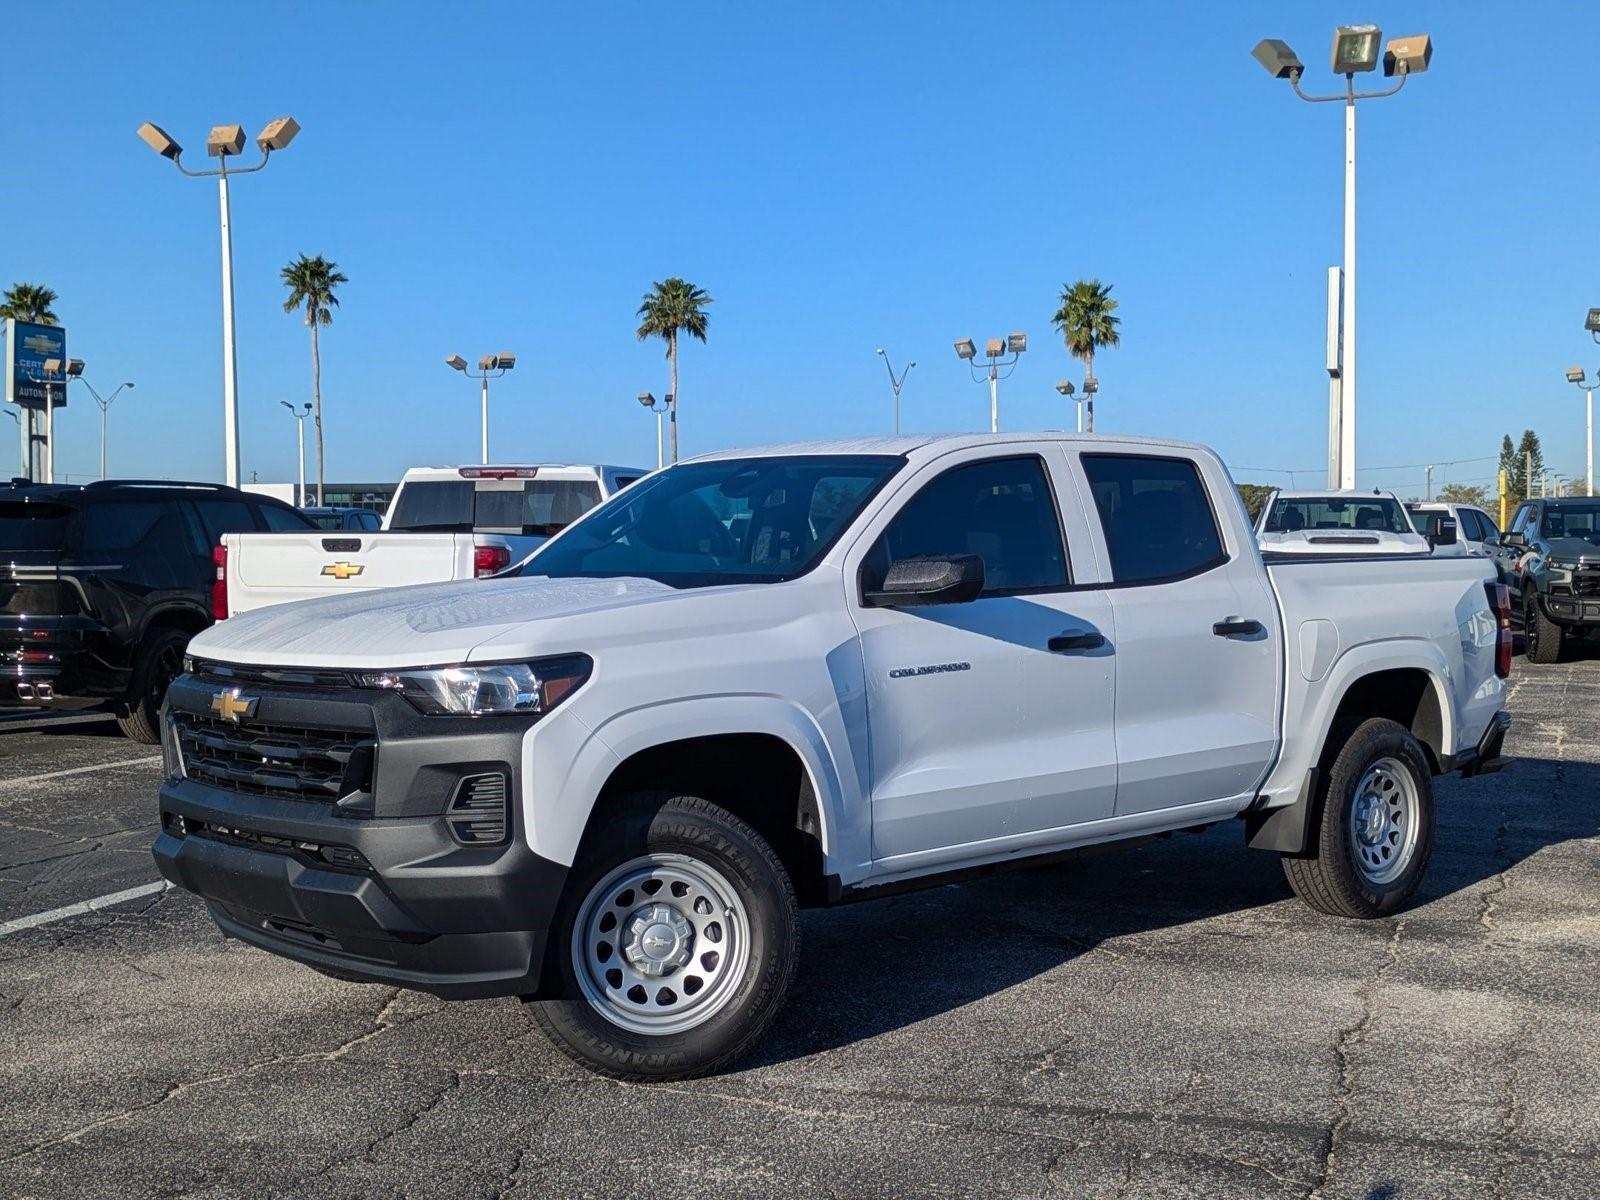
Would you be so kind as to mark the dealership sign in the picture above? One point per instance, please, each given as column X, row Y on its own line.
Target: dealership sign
column 26, row 347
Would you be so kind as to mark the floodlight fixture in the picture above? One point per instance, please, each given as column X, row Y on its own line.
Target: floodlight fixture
column 1280, row 61
column 486, row 363
column 880, row 350
column 158, row 140
column 647, row 399
column 965, row 349
column 1574, row 374
column 1065, row 387
column 74, row 368
column 456, row 362
column 277, row 135
column 1091, row 385
column 995, row 347
column 225, row 141
column 1408, row 55
column 1016, row 342
column 1355, row 48
column 51, row 366
column 505, row 360
column 1592, row 321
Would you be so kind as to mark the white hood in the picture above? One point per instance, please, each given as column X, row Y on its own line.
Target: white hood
column 428, row 625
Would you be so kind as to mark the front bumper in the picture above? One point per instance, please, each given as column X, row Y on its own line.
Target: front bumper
column 378, row 890
column 1570, row 609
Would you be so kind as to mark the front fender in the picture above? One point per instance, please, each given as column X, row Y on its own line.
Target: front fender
column 564, row 775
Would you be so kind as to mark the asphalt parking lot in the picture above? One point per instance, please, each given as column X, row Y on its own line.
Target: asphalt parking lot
column 1166, row 1021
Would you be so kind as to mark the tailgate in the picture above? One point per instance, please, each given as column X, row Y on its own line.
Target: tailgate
column 276, row 568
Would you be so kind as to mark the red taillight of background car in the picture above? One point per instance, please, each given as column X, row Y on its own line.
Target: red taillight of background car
column 486, row 560
column 1500, row 606
column 219, row 585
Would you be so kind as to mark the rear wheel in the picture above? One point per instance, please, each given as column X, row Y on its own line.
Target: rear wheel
column 1375, row 834
column 159, row 663
column 675, row 944
column 1541, row 635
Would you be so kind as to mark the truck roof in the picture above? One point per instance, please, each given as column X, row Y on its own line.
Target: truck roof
column 938, row 443
column 1336, row 494
column 479, row 468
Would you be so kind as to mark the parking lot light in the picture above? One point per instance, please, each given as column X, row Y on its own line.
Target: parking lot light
column 995, row 350
column 225, row 142
column 898, row 382
column 1066, row 389
column 648, row 399
column 965, row 350
column 1592, row 323
column 1278, row 60
column 490, row 366
column 1355, row 48
column 1575, row 376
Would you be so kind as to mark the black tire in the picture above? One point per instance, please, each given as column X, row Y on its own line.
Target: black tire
column 1542, row 637
column 706, row 836
column 1330, row 877
column 160, row 661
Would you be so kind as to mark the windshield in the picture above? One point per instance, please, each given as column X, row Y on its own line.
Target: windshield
column 33, row 526
column 752, row 520
column 521, row 506
column 1375, row 514
column 1572, row 521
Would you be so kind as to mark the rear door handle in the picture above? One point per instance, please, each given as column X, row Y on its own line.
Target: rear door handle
column 1235, row 627
column 1069, row 643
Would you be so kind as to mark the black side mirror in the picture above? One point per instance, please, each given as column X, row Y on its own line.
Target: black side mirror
column 1443, row 533
column 936, row 579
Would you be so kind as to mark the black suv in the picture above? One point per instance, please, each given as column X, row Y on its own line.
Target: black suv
column 102, row 585
column 1551, row 558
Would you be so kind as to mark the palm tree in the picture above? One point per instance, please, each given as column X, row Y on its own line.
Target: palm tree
column 29, row 302
column 311, row 283
column 1085, row 324
column 672, row 306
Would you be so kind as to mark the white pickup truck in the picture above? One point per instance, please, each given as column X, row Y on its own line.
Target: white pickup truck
column 444, row 523
column 799, row 676
column 1340, row 522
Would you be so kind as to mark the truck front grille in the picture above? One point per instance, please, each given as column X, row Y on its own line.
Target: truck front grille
column 275, row 760
column 1586, row 583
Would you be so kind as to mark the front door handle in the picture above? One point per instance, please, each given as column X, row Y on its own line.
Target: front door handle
column 1069, row 643
column 1236, row 627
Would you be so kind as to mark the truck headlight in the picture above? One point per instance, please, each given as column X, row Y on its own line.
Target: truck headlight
column 492, row 689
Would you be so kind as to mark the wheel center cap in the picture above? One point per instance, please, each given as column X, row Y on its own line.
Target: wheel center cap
column 1372, row 820
column 656, row 939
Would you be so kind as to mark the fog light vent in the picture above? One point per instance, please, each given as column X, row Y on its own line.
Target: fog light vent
column 478, row 813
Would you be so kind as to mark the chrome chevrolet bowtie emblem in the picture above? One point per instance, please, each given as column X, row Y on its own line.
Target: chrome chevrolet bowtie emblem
column 231, row 706
column 343, row 570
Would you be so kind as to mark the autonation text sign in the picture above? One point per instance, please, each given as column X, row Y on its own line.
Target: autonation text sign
column 26, row 348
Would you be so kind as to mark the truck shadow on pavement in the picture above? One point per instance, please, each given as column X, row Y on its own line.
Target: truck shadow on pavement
column 876, row 967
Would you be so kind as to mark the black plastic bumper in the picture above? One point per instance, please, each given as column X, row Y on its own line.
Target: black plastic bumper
column 1486, row 758
column 1571, row 610
column 365, row 894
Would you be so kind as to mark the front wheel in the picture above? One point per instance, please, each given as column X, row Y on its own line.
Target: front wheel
column 675, row 944
column 1375, row 835
column 1541, row 635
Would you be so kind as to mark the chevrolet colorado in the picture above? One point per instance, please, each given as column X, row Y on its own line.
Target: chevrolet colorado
column 1337, row 522
column 800, row 676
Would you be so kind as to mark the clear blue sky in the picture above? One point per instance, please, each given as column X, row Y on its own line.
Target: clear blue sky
column 839, row 176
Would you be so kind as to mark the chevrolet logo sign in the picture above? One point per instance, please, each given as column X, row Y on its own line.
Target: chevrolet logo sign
column 343, row 570
column 231, row 706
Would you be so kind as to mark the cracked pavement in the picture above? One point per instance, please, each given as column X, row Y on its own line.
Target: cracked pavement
column 1164, row 1022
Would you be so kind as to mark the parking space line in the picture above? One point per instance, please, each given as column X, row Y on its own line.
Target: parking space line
column 124, row 762
column 83, row 906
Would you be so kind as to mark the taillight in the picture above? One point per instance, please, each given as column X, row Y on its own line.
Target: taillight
column 1500, row 606
column 486, row 560
column 219, row 585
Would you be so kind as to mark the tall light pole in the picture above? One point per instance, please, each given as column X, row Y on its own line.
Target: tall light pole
column 53, row 370
column 105, row 404
column 1575, row 375
column 490, row 366
column 995, row 350
column 895, row 384
column 1066, row 389
column 300, row 415
column 1355, row 50
column 225, row 142
column 649, row 401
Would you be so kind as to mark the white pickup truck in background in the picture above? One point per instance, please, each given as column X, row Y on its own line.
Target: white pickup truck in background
column 803, row 675
column 444, row 524
column 1338, row 522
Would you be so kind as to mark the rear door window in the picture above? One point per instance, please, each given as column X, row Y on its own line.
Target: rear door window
column 283, row 520
column 33, row 526
column 225, row 516
column 116, row 526
column 1157, row 517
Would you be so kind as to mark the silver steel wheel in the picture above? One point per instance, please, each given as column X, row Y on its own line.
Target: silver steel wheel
column 1384, row 821
column 660, row 944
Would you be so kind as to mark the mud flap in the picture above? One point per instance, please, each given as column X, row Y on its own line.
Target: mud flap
column 1287, row 828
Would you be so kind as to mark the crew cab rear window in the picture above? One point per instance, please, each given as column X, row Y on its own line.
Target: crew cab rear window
column 537, row 506
column 1002, row 510
column 1157, row 517
column 39, row 526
